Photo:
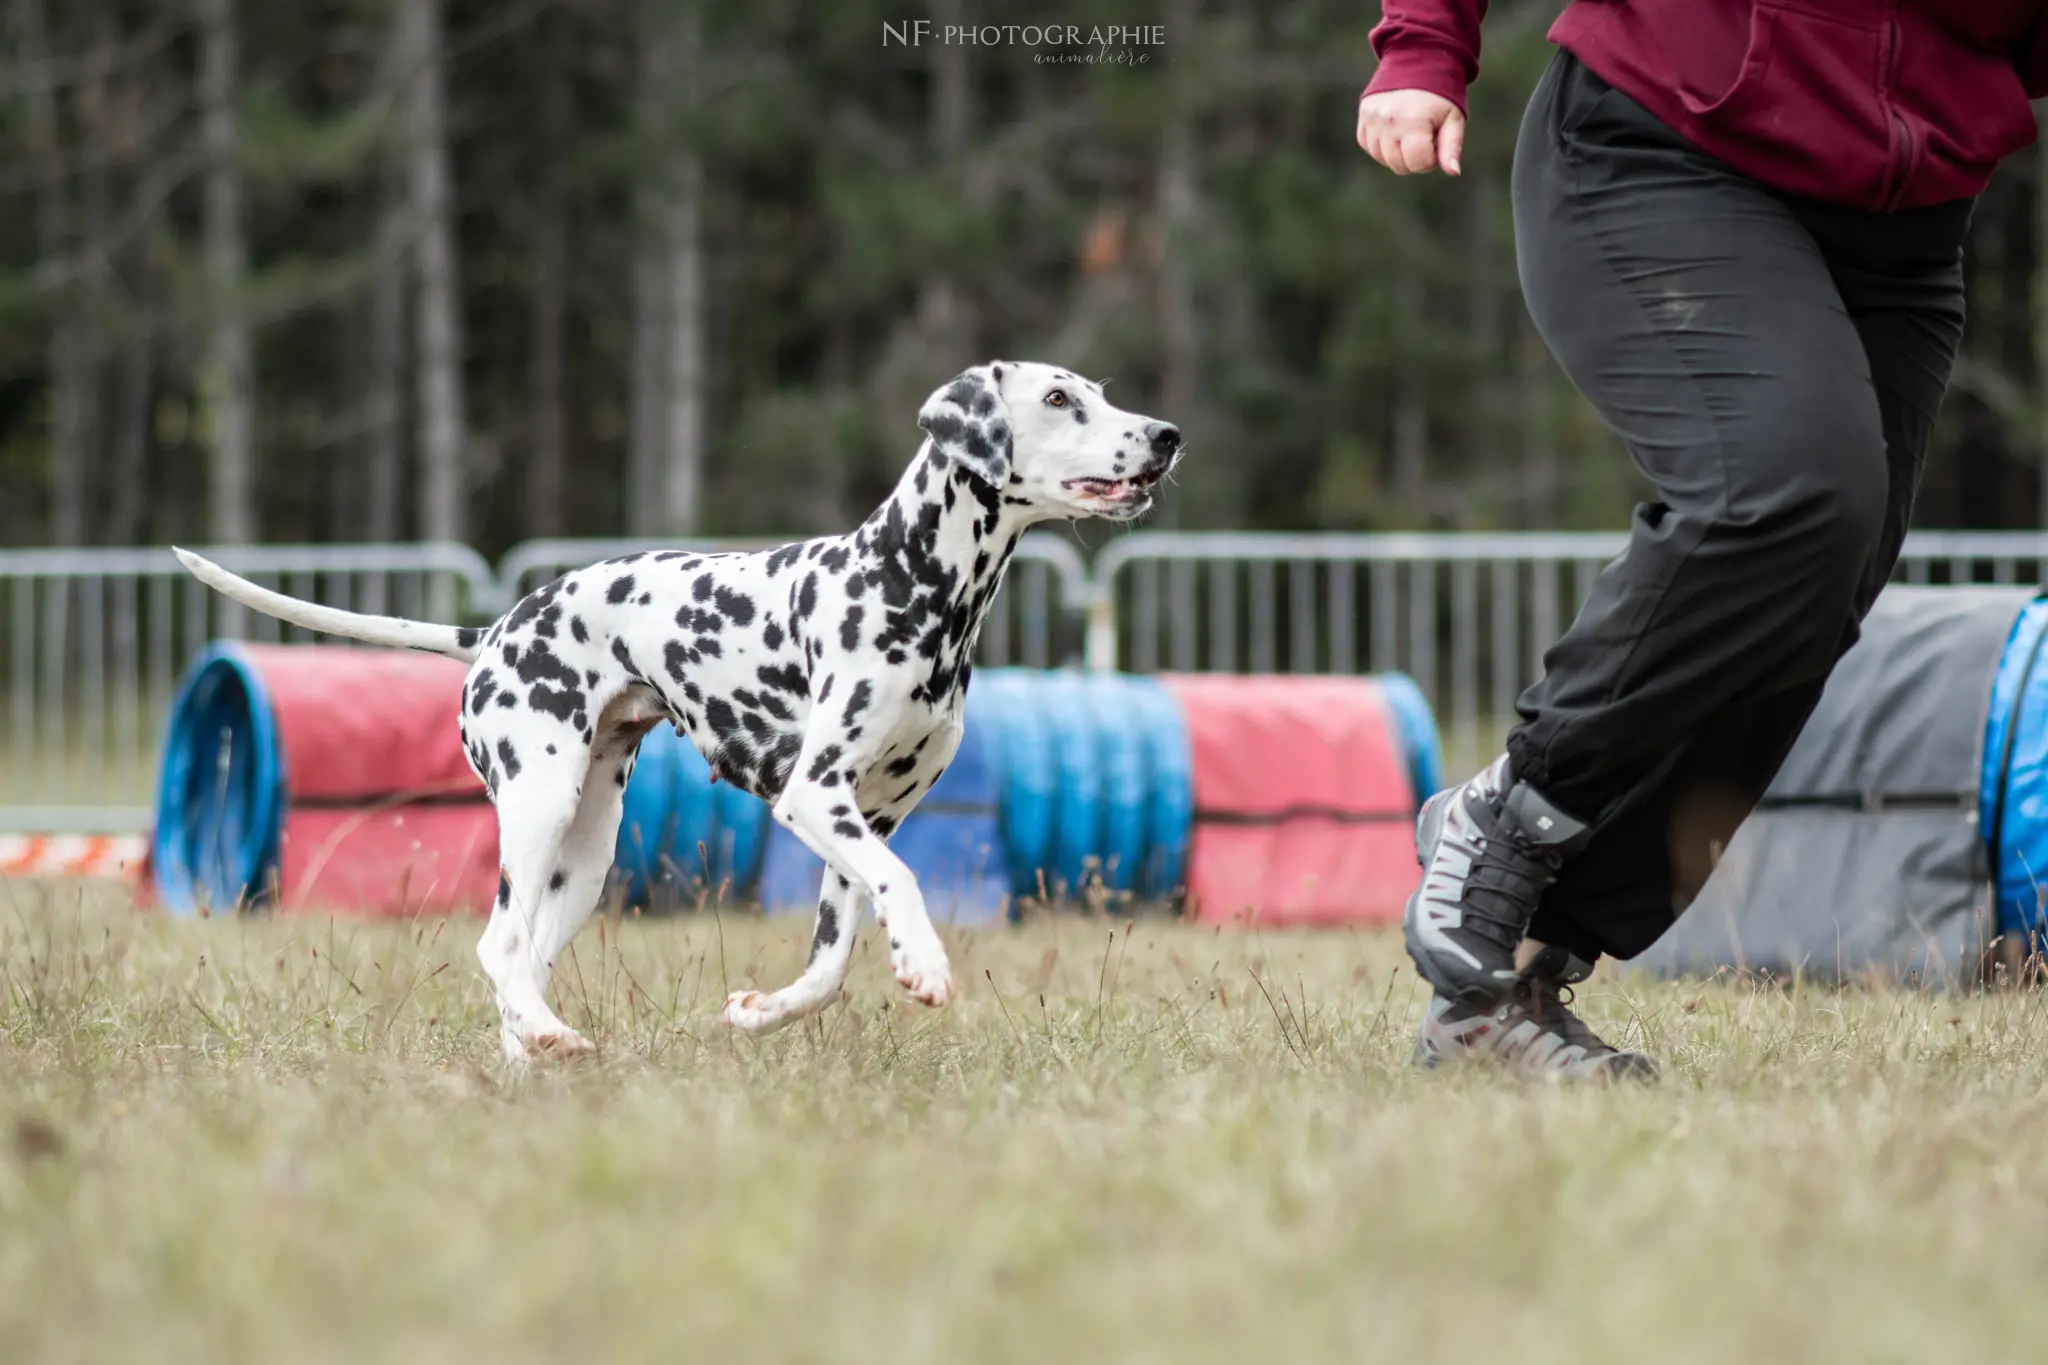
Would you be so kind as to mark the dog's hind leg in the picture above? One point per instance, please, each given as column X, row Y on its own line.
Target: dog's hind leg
column 567, row 887
column 577, row 884
column 535, row 810
column 839, row 908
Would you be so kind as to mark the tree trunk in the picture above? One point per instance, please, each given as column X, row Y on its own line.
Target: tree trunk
column 130, row 441
column 75, row 375
column 546, row 479
column 229, row 383
column 644, row 434
column 666, row 415
column 128, row 496
column 831, row 477
column 649, row 363
column 683, row 475
column 1483, row 294
column 82, row 482
column 71, row 348
column 384, row 390
column 1411, row 409
column 345, row 489
column 1179, row 208
column 443, row 422
column 1490, row 393
column 952, row 82
column 944, row 315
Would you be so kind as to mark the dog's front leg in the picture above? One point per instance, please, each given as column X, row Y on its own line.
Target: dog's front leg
column 831, row 826
column 839, row 907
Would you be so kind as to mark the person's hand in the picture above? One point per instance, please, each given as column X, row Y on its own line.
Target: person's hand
column 1411, row 131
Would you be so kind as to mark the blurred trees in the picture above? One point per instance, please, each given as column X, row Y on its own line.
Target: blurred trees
column 347, row 269
column 226, row 377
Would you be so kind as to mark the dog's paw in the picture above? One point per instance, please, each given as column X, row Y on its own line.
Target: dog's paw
column 748, row 1012
column 562, row 1044
column 922, row 971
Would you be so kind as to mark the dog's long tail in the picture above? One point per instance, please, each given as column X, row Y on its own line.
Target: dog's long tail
column 457, row 642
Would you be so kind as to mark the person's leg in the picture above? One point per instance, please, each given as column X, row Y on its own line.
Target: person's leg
column 1641, row 869
column 1697, row 314
column 1901, row 282
column 1901, row 278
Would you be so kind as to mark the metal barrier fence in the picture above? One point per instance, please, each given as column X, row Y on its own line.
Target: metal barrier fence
column 92, row 641
column 1468, row 616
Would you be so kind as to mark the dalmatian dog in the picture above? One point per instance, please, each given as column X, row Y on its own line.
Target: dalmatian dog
column 826, row 677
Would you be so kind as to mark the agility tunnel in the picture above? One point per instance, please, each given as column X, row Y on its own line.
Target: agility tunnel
column 1067, row 786
column 1305, row 798
column 683, row 838
column 320, row 776
column 1415, row 728
column 333, row 778
column 1907, row 830
column 1285, row 800
column 1097, row 795
column 1908, row 827
column 2013, row 782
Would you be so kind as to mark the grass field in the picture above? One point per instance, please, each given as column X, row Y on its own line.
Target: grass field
column 290, row 1140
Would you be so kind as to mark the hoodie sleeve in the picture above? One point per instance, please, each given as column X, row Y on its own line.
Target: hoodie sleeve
column 1428, row 45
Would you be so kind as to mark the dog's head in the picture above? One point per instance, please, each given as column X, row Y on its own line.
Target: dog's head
column 1050, row 440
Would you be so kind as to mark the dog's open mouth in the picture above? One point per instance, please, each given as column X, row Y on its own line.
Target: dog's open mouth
column 1117, row 490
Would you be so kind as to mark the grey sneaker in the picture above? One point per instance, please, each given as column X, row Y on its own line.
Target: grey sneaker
column 1532, row 1030
column 1488, row 849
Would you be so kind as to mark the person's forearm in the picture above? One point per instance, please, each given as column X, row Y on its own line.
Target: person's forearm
column 1428, row 45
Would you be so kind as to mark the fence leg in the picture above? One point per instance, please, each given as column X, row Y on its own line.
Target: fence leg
column 1099, row 650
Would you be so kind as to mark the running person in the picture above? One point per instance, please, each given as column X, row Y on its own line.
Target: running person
column 1739, row 228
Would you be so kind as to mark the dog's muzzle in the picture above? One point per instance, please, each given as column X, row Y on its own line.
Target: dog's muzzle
column 1127, row 497
column 1130, row 497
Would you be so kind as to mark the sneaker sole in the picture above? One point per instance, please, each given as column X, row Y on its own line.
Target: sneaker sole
column 1633, row 1068
column 1615, row 1069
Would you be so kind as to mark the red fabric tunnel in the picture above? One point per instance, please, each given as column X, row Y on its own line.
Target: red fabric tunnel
column 383, row 814
column 1304, row 812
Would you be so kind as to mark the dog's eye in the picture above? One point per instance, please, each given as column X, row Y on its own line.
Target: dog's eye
column 1056, row 399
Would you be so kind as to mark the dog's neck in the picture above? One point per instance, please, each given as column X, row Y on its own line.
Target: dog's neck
column 943, row 539
column 940, row 518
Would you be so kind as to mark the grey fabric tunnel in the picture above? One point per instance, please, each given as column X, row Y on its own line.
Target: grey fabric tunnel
column 1867, row 855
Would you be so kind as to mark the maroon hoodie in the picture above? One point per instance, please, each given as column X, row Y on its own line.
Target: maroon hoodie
column 1882, row 104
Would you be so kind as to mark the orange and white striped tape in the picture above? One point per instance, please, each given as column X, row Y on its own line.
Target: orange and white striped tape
column 71, row 855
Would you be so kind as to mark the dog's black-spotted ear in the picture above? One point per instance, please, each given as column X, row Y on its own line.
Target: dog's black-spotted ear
column 969, row 423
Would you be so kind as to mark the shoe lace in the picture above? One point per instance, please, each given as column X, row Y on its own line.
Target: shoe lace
column 1505, row 883
column 1549, row 1003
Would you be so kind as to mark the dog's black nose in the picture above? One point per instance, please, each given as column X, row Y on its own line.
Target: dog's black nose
column 1164, row 436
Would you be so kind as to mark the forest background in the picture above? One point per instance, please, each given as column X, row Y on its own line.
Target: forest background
column 347, row 270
